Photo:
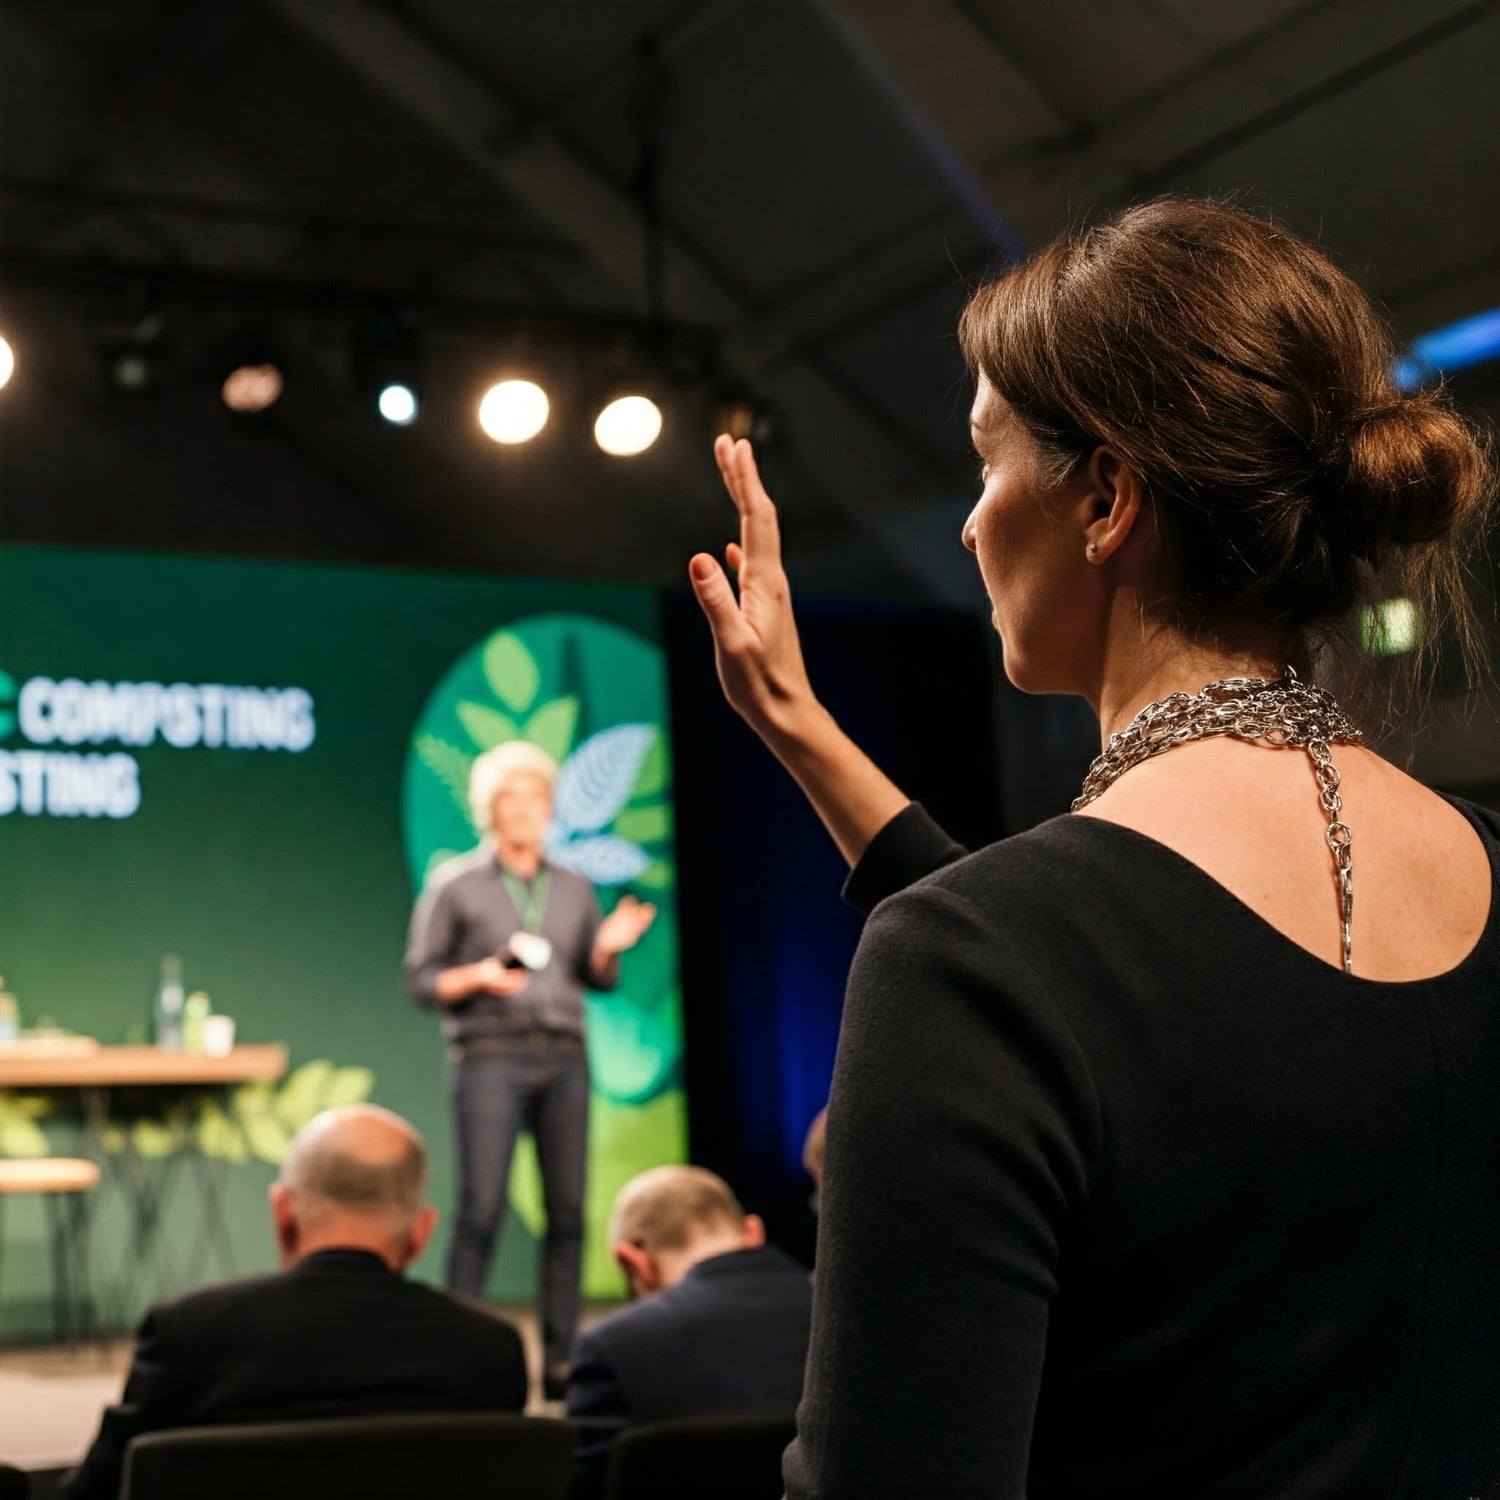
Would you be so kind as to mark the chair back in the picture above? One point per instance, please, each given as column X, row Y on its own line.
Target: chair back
column 701, row 1458
column 499, row 1455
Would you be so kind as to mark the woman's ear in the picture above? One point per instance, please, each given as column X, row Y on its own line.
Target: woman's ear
column 1110, row 507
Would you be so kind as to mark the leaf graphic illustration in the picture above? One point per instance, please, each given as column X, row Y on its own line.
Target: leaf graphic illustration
column 657, row 876
column 486, row 726
column 645, row 825
column 302, row 1094
column 348, row 1086
column 653, row 773
column 253, row 1099
column 219, row 1136
column 268, row 1138
column 551, row 727
column 602, row 859
column 448, row 763
column 19, row 1135
column 595, row 782
column 511, row 671
column 152, row 1140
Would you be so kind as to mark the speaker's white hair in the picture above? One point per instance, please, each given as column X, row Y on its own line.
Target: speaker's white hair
column 495, row 767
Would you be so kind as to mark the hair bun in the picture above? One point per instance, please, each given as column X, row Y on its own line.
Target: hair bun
column 1412, row 474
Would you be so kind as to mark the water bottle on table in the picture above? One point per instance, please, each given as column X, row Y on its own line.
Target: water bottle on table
column 167, row 1017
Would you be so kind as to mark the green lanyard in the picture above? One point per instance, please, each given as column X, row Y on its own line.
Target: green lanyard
column 531, row 902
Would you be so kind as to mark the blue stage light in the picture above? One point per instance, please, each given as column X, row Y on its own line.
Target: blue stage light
column 1470, row 341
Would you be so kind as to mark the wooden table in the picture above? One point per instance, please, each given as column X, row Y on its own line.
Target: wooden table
column 38, row 1064
column 81, row 1063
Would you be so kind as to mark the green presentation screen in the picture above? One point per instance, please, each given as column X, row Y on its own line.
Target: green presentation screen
column 253, row 766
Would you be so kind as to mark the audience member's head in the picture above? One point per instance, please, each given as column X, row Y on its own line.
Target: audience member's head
column 668, row 1219
column 354, row 1179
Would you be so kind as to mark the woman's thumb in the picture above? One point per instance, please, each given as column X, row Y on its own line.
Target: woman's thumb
column 715, row 597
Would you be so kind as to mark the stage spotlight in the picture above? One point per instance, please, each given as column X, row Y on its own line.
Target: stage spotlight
column 387, row 355
column 250, row 374
column 514, row 411
column 7, row 361
column 628, row 425
column 397, row 403
column 250, row 389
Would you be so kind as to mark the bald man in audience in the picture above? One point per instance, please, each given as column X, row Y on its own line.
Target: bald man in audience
column 721, row 1324
column 338, row 1331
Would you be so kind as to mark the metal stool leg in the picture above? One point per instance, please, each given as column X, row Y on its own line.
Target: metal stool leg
column 78, row 1241
column 62, row 1296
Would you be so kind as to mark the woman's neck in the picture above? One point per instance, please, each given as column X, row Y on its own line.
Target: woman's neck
column 1168, row 666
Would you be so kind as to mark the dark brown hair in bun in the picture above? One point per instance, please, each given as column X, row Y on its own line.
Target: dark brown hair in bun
column 1249, row 381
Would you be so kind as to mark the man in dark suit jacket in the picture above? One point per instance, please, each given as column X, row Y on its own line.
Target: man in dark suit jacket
column 338, row 1331
column 722, row 1324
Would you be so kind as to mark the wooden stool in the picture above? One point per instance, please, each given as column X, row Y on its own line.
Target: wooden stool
column 63, row 1184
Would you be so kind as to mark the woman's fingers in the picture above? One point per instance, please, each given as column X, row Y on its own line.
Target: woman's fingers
column 734, row 555
column 760, row 530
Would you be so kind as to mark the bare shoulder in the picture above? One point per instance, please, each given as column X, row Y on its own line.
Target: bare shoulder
column 1249, row 818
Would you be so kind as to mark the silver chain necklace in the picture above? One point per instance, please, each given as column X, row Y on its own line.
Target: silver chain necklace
column 1287, row 711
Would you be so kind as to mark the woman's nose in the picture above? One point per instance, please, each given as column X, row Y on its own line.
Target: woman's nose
column 966, row 536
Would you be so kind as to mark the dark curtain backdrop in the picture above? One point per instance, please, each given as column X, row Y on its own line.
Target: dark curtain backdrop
column 767, row 938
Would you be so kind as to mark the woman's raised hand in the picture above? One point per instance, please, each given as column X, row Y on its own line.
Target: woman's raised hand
column 761, row 668
column 755, row 635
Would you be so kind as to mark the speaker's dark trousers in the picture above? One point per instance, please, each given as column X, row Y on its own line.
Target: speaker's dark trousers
column 538, row 1082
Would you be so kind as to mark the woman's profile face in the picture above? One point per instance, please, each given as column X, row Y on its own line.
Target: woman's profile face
column 1030, row 547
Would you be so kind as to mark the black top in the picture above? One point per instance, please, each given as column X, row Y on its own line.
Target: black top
column 466, row 913
column 339, row 1334
column 731, row 1336
column 1129, row 1195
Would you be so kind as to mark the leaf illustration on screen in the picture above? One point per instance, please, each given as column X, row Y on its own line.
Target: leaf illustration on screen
column 448, row 763
column 596, row 781
column 645, row 825
column 592, row 789
column 553, row 725
column 602, row 859
column 262, row 1118
column 511, row 671
column 486, row 726
column 652, row 779
column 20, row 1135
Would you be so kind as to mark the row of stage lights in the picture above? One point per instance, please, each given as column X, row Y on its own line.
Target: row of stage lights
column 511, row 412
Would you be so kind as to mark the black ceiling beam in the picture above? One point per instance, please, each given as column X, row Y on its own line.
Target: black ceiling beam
column 73, row 275
column 204, row 210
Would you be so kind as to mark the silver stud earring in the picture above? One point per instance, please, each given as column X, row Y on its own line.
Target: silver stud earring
column 1093, row 551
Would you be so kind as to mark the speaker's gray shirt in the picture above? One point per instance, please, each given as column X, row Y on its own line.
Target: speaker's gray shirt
column 466, row 914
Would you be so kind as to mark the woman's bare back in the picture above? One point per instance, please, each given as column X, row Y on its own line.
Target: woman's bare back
column 1249, row 818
